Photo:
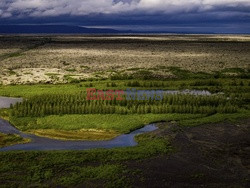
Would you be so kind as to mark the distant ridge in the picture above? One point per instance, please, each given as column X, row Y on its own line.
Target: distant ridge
column 71, row 29
column 52, row 29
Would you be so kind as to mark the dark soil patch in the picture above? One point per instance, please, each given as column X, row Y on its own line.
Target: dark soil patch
column 214, row 155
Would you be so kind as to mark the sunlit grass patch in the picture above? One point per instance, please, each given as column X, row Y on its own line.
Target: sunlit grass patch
column 108, row 122
column 75, row 135
column 11, row 139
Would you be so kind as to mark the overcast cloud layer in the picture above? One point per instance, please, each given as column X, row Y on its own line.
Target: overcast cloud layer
column 129, row 12
column 38, row 8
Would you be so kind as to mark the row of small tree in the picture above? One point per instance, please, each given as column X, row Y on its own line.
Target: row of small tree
column 128, row 100
column 77, row 104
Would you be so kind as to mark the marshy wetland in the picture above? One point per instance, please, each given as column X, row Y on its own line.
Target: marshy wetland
column 202, row 137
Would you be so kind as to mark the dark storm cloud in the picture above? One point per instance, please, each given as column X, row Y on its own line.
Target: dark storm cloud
column 125, row 12
column 38, row 8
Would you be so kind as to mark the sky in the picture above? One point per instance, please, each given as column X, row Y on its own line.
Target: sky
column 219, row 16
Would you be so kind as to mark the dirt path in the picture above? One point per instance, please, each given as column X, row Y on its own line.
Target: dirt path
column 215, row 155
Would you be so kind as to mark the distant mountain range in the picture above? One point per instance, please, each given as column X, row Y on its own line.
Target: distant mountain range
column 70, row 29
column 53, row 29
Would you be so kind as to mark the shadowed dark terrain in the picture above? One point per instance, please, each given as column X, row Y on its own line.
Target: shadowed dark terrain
column 213, row 155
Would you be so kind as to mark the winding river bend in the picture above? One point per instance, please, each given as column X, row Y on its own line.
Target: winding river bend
column 45, row 144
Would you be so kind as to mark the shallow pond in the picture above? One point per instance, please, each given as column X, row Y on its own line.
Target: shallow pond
column 5, row 102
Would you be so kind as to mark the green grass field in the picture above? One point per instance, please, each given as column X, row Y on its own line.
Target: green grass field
column 93, row 126
column 48, row 168
column 103, row 127
column 115, row 122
